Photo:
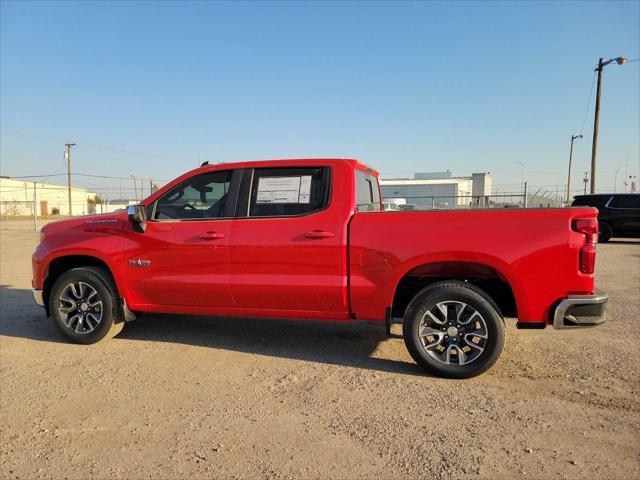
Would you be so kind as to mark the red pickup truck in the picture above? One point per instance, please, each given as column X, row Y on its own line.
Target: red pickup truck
column 307, row 239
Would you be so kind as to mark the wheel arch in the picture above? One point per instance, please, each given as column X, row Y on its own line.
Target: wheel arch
column 63, row 263
column 608, row 223
column 493, row 281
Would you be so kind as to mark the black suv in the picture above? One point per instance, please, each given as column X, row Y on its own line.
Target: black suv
column 618, row 213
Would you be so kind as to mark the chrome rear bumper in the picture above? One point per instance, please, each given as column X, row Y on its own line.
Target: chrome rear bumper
column 580, row 311
column 37, row 297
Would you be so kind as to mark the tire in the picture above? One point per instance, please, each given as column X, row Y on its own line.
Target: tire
column 453, row 309
column 605, row 232
column 96, row 314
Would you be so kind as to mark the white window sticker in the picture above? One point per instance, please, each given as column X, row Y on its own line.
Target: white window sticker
column 305, row 189
column 284, row 189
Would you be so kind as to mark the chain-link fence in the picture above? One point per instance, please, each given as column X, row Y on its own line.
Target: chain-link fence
column 47, row 211
column 464, row 202
column 44, row 208
column 11, row 210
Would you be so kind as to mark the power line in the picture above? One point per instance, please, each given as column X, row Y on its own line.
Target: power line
column 586, row 113
column 117, row 178
column 94, row 146
column 55, row 173
column 83, row 175
column 46, row 175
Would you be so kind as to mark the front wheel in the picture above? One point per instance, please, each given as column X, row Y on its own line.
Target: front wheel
column 85, row 306
column 454, row 330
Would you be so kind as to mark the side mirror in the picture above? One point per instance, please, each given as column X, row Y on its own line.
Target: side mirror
column 138, row 217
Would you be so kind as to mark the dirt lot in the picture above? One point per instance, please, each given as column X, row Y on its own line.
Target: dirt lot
column 189, row 397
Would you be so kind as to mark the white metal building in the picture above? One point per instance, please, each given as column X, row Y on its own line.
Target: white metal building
column 439, row 189
column 17, row 198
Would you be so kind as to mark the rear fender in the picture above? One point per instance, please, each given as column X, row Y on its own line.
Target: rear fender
column 447, row 266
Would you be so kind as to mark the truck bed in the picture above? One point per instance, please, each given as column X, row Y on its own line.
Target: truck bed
column 534, row 250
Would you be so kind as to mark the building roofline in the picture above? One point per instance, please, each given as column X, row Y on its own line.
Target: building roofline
column 437, row 181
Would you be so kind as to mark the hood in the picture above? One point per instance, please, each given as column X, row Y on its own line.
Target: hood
column 109, row 220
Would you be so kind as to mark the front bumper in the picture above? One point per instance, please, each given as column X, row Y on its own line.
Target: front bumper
column 37, row 297
column 580, row 311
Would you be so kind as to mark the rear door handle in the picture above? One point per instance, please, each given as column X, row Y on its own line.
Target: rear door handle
column 318, row 234
column 211, row 236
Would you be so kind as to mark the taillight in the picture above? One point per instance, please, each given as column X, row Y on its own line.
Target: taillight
column 588, row 227
column 588, row 258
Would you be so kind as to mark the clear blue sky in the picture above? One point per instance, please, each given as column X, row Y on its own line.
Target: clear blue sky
column 150, row 88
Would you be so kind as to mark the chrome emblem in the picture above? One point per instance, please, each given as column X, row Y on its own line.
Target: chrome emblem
column 138, row 262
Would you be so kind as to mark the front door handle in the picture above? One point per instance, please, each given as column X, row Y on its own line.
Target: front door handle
column 211, row 236
column 318, row 234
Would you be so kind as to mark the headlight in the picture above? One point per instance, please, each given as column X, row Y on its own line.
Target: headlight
column 42, row 235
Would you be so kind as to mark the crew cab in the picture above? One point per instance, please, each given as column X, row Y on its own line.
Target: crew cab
column 308, row 239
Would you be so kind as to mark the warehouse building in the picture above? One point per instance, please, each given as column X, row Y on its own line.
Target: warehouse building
column 17, row 198
column 438, row 190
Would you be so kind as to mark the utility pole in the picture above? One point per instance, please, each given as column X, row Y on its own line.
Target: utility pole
column 68, row 156
column 626, row 176
column 615, row 181
column 596, row 122
column 573, row 139
column 596, row 119
column 585, row 180
column 35, row 208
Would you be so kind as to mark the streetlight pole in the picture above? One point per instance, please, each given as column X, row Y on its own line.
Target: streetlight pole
column 573, row 139
column 596, row 120
column 68, row 155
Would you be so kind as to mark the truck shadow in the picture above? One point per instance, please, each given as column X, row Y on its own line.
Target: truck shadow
column 347, row 344
column 626, row 241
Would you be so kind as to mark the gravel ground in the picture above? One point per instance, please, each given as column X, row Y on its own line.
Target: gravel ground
column 195, row 397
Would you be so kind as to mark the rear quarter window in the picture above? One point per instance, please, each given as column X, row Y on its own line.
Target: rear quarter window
column 367, row 192
column 598, row 201
column 625, row 201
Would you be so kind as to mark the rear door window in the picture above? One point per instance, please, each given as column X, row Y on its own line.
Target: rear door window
column 283, row 192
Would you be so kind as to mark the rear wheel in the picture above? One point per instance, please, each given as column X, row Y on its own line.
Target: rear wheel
column 606, row 232
column 453, row 329
column 85, row 306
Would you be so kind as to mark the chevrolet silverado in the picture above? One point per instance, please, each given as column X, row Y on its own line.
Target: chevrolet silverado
column 307, row 239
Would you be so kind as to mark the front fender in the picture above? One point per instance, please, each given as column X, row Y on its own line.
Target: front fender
column 79, row 247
